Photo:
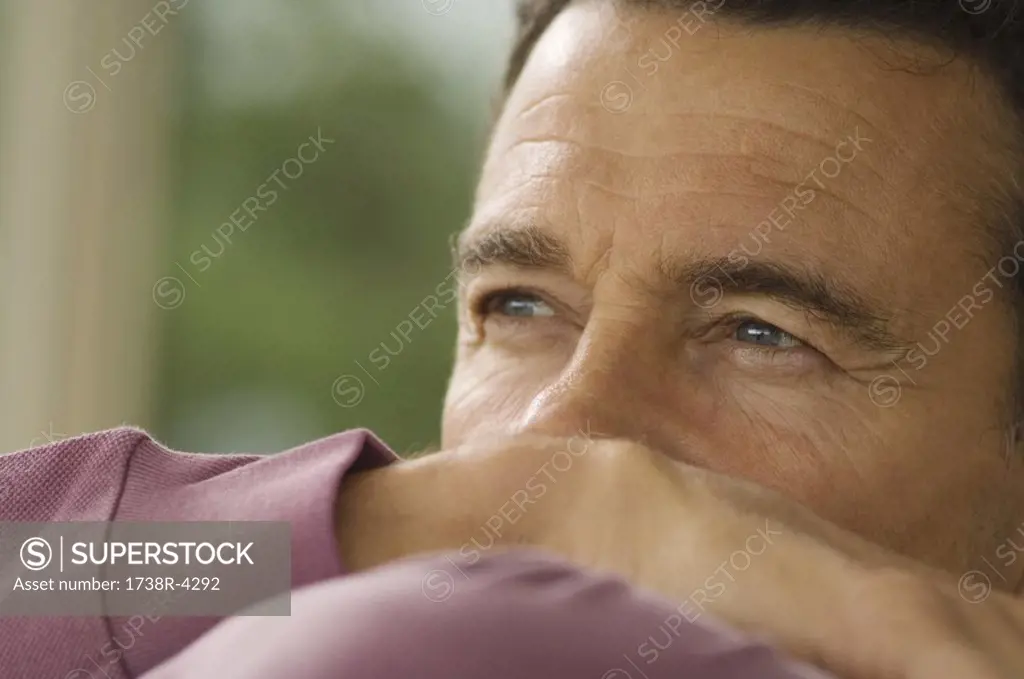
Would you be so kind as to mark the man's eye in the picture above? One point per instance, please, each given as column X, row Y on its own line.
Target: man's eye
column 517, row 304
column 765, row 334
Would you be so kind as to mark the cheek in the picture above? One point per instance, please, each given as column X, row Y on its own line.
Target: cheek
column 882, row 474
column 768, row 436
column 808, row 445
column 489, row 396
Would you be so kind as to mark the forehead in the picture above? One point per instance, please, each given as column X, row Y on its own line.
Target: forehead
column 634, row 128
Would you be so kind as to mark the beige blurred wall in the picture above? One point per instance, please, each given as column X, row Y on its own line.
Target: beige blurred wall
column 83, row 184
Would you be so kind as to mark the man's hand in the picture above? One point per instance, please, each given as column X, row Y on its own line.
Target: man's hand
column 712, row 544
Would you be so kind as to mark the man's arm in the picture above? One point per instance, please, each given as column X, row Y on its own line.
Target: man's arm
column 508, row 615
column 710, row 544
column 124, row 475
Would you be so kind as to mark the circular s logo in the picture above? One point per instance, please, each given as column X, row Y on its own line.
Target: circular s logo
column 616, row 97
column 36, row 554
column 438, row 7
column 168, row 292
column 348, row 391
column 974, row 587
column 975, row 6
column 79, row 96
column 885, row 391
column 438, row 585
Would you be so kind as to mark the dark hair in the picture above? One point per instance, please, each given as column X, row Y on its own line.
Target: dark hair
column 989, row 32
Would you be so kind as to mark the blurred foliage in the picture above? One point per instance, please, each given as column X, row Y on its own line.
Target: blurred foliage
column 325, row 274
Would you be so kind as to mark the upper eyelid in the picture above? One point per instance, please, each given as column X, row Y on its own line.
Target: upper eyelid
column 733, row 320
column 740, row 319
column 486, row 297
column 566, row 312
column 500, row 296
column 795, row 338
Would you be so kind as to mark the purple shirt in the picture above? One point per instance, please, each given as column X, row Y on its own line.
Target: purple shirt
column 510, row 614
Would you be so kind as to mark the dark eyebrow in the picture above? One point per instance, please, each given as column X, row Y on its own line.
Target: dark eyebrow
column 526, row 247
column 799, row 288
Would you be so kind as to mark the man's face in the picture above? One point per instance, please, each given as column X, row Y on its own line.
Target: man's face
column 759, row 251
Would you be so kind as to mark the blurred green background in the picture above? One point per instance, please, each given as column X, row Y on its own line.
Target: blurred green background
column 325, row 275
column 120, row 189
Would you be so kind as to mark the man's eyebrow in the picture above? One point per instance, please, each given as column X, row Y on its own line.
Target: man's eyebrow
column 525, row 247
column 805, row 290
column 850, row 312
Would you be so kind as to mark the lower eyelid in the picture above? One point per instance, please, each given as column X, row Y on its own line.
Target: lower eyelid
column 733, row 325
column 491, row 303
column 755, row 358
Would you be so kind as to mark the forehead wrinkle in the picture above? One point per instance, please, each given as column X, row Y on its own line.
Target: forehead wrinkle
column 635, row 190
column 845, row 108
column 789, row 163
column 786, row 165
column 567, row 129
column 814, row 138
column 731, row 98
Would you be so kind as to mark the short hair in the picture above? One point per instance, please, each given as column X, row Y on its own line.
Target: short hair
column 988, row 32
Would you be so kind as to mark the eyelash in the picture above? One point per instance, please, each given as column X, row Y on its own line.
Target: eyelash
column 729, row 323
column 723, row 327
column 487, row 303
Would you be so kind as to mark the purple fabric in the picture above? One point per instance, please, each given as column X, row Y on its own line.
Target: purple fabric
column 507, row 616
column 123, row 474
column 511, row 614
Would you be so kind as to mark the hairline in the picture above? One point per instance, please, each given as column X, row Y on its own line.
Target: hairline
column 1003, row 225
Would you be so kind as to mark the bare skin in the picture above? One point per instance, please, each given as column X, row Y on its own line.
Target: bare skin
column 823, row 594
column 748, row 252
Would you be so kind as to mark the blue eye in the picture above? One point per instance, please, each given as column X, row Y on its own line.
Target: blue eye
column 519, row 305
column 765, row 334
